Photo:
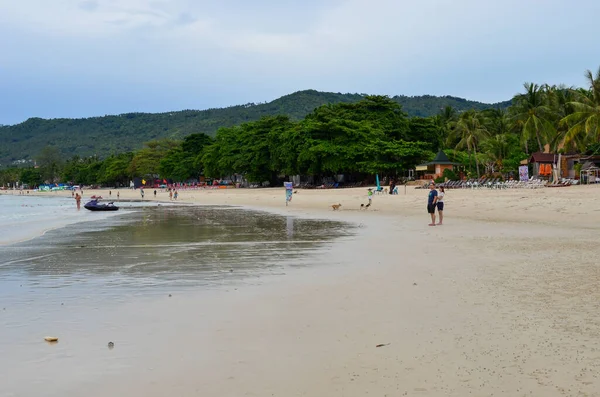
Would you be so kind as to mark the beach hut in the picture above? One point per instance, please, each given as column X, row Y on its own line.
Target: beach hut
column 590, row 173
column 543, row 164
column 435, row 169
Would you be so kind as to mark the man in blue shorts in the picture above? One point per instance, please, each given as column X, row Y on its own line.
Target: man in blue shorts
column 431, row 202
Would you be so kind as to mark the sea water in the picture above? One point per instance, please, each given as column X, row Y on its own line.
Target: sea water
column 69, row 273
column 24, row 217
column 52, row 252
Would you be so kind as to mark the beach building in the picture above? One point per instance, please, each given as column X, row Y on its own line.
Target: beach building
column 542, row 164
column 436, row 167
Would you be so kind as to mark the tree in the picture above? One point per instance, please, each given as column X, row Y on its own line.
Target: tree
column 470, row 130
column 584, row 123
column 146, row 161
column 9, row 176
column 115, row 170
column 31, row 176
column 185, row 161
column 426, row 130
column 532, row 116
column 344, row 138
column 50, row 163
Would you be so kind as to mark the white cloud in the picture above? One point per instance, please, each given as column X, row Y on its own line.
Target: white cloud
column 242, row 50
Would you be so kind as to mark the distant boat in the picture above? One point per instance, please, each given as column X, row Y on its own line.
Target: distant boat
column 94, row 205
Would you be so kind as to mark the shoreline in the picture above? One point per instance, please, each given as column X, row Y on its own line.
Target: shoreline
column 39, row 227
column 491, row 303
column 553, row 207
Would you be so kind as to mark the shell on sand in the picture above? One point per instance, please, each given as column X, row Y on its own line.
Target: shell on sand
column 51, row 339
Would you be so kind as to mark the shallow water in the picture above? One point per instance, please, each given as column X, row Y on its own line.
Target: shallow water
column 174, row 245
column 74, row 281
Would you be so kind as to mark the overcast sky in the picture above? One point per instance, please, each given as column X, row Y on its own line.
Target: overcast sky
column 72, row 58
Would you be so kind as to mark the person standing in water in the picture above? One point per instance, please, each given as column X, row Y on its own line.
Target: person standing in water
column 440, row 204
column 431, row 202
column 78, row 200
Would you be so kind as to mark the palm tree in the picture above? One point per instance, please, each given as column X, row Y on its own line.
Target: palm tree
column 533, row 115
column 471, row 130
column 559, row 100
column 497, row 121
column 496, row 148
column 584, row 123
column 444, row 120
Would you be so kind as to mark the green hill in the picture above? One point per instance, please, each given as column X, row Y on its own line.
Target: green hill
column 114, row 134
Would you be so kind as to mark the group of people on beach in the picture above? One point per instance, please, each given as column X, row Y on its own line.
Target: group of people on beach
column 435, row 200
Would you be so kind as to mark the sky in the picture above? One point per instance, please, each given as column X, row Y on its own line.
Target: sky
column 84, row 58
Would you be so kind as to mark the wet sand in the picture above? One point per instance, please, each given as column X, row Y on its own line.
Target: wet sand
column 501, row 300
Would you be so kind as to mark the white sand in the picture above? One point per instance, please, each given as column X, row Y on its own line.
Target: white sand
column 501, row 300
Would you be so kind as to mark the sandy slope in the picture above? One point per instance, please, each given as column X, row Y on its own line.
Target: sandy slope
column 574, row 206
column 501, row 300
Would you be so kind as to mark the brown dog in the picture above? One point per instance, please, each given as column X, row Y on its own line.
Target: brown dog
column 336, row 207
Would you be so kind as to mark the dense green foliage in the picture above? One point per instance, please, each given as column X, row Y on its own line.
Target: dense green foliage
column 358, row 138
column 103, row 136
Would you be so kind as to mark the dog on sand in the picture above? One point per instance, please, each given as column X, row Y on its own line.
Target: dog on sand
column 336, row 207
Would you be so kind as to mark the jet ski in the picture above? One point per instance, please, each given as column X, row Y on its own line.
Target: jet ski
column 94, row 205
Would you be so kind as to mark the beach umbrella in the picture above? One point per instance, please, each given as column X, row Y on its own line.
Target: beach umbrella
column 377, row 181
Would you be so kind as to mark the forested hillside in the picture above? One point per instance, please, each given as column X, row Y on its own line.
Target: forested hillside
column 359, row 139
column 107, row 135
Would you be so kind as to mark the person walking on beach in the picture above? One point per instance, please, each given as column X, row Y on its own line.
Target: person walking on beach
column 78, row 200
column 170, row 194
column 109, row 193
column 142, row 192
column 154, row 193
column 118, row 195
column 440, row 204
column 369, row 196
column 431, row 202
column 175, row 195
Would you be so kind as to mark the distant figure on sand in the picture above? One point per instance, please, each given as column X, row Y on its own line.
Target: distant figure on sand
column 170, row 195
column 369, row 196
column 431, row 202
column 154, row 193
column 142, row 192
column 118, row 195
column 78, row 200
column 109, row 193
column 175, row 195
column 440, row 204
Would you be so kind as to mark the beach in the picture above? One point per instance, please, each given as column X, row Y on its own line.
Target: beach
column 500, row 300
